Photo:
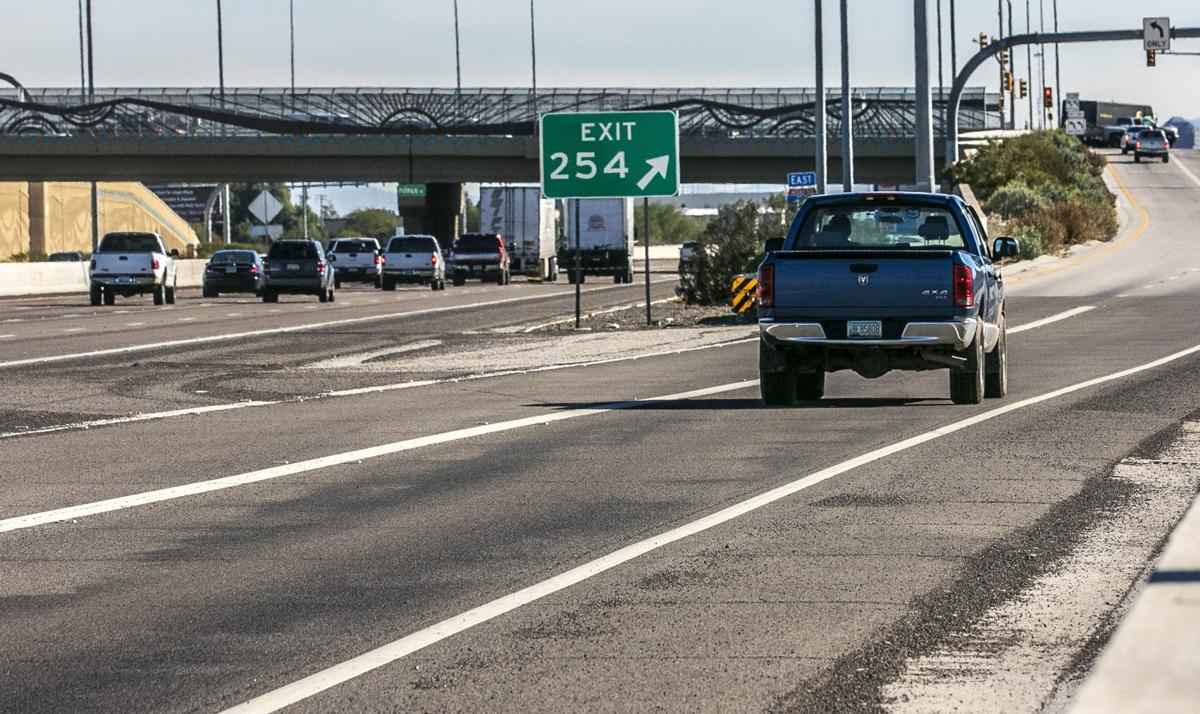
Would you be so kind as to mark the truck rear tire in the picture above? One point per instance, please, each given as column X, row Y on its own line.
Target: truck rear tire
column 160, row 294
column 96, row 296
column 777, row 389
column 967, row 382
column 170, row 295
column 996, row 382
column 110, row 298
column 810, row 385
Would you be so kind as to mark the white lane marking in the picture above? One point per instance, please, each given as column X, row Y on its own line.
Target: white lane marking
column 186, row 319
column 75, row 329
column 233, row 314
column 134, row 324
column 167, row 494
column 5, row 337
column 535, row 328
column 1187, row 172
column 1053, row 318
column 150, row 416
column 284, row 330
column 15, row 319
column 72, row 315
column 331, row 677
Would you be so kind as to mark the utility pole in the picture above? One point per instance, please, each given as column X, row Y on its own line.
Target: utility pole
column 953, row 44
column 924, row 107
column 847, row 108
column 1012, row 64
column 292, row 39
column 1029, row 67
column 91, row 100
column 1042, row 50
column 457, row 56
column 1057, row 74
column 819, row 110
column 1000, row 22
column 941, row 96
column 220, row 55
column 82, row 55
column 533, row 63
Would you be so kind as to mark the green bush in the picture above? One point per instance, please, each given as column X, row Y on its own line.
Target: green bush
column 1030, row 242
column 1015, row 198
column 729, row 243
column 1046, row 182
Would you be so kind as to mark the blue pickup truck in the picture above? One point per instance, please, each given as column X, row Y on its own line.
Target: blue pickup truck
column 879, row 281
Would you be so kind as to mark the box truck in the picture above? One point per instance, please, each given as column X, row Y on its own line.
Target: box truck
column 605, row 238
column 528, row 224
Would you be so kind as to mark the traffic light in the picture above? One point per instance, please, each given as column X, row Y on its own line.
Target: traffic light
column 1008, row 82
column 1150, row 58
column 1004, row 58
column 1048, row 97
column 982, row 41
column 1024, row 89
column 1000, row 101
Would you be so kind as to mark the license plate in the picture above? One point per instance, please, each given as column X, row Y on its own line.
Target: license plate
column 870, row 329
column 293, row 266
column 231, row 269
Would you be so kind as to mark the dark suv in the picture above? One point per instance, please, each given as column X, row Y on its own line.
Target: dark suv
column 297, row 267
column 480, row 255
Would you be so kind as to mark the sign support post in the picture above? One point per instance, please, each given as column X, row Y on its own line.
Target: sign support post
column 646, row 240
column 578, row 267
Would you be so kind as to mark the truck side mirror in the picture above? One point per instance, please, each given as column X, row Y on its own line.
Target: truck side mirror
column 1006, row 248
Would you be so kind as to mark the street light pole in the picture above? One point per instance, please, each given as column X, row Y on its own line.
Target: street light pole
column 82, row 54
column 822, row 147
column 924, row 108
column 220, row 55
column 91, row 93
column 292, row 38
column 457, row 56
column 1057, row 73
column 533, row 63
column 1029, row 67
column 847, row 108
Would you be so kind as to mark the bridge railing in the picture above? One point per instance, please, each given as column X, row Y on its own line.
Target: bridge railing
column 726, row 113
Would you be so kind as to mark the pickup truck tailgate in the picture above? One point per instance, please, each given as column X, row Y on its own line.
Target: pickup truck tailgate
column 870, row 284
column 123, row 264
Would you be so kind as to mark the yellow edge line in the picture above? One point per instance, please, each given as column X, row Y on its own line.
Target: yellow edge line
column 1119, row 244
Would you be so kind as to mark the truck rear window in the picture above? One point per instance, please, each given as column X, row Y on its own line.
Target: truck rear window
column 129, row 243
column 477, row 244
column 292, row 250
column 413, row 245
column 355, row 246
column 894, row 226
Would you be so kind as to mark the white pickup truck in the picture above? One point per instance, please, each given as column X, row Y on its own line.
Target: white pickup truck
column 130, row 263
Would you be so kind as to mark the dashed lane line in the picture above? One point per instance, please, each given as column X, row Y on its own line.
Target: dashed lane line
column 286, row 330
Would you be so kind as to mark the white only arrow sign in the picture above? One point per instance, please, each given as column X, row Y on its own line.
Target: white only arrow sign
column 658, row 167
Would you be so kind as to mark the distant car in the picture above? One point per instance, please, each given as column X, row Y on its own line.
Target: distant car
column 1152, row 142
column 1129, row 136
column 356, row 260
column 233, row 271
column 297, row 267
column 413, row 259
column 67, row 257
column 688, row 252
column 483, row 256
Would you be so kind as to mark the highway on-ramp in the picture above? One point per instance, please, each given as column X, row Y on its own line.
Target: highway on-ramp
column 441, row 511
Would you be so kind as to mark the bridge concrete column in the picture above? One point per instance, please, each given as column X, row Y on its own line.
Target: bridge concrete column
column 439, row 216
column 39, row 217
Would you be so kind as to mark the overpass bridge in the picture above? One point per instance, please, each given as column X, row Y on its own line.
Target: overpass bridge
column 433, row 136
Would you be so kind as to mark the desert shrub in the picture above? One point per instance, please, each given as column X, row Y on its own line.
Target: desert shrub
column 1016, row 198
column 729, row 243
column 33, row 256
column 1030, row 241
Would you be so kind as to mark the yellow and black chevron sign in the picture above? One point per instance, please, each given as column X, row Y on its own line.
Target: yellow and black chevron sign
column 744, row 288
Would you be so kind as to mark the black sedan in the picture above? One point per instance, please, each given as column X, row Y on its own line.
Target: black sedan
column 233, row 271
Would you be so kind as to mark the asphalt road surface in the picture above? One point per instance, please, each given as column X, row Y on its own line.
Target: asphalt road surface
column 404, row 502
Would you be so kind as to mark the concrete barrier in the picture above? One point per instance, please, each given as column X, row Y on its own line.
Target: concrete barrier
column 18, row 279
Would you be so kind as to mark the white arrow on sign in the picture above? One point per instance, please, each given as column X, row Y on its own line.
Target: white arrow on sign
column 658, row 167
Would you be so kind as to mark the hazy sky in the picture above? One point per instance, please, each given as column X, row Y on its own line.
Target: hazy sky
column 580, row 43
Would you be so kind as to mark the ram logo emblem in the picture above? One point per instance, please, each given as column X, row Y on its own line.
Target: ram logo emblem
column 863, row 279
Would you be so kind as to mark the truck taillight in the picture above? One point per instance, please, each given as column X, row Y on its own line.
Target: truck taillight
column 379, row 260
column 254, row 269
column 266, row 266
column 1137, row 144
column 433, row 259
column 320, row 266
column 964, row 286
column 154, row 263
column 766, row 286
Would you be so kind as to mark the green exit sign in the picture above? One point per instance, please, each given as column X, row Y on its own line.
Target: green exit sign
column 410, row 190
column 610, row 154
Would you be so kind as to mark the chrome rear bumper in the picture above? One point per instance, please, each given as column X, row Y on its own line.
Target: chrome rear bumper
column 956, row 333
